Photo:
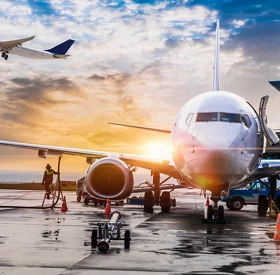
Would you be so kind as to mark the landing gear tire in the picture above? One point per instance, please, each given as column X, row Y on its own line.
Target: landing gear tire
column 149, row 202
column 95, row 202
column 3, row 54
column 229, row 206
column 221, row 212
column 262, row 206
column 94, row 238
column 165, row 202
column 237, row 204
column 86, row 201
column 6, row 57
column 210, row 212
column 127, row 239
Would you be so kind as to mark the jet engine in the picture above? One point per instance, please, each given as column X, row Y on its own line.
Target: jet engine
column 109, row 178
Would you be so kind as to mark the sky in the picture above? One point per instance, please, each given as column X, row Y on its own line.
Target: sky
column 135, row 62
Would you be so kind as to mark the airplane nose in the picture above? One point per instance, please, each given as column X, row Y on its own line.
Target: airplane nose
column 213, row 158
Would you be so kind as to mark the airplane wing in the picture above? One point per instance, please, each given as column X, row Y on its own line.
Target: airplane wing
column 163, row 166
column 6, row 46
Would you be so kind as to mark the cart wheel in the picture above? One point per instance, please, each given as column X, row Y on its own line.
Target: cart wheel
column 79, row 198
column 127, row 239
column 86, row 201
column 94, row 238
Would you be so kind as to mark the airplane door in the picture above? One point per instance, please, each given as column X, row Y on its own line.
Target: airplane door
column 270, row 135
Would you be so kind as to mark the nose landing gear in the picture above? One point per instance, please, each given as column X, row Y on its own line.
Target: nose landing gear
column 215, row 213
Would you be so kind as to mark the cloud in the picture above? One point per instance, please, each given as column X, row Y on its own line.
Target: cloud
column 116, row 86
column 27, row 97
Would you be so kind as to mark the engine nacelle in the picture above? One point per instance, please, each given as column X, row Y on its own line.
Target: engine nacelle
column 109, row 178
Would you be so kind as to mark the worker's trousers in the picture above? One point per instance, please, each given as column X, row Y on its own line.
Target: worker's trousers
column 47, row 188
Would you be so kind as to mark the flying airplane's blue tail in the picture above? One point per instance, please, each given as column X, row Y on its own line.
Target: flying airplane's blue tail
column 61, row 48
column 216, row 80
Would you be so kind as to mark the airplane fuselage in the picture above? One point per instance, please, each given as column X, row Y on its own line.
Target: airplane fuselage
column 21, row 51
column 217, row 141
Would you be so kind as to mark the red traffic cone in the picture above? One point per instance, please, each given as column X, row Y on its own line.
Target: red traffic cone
column 64, row 207
column 107, row 211
column 277, row 230
column 207, row 201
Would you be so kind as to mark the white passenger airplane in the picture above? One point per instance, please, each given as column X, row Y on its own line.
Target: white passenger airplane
column 14, row 47
column 217, row 140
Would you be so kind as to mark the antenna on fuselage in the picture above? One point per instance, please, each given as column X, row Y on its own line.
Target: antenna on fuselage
column 216, row 80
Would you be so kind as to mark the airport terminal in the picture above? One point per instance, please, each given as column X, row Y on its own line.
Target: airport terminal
column 207, row 201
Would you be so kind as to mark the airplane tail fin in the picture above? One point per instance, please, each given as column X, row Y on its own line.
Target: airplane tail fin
column 216, row 80
column 62, row 48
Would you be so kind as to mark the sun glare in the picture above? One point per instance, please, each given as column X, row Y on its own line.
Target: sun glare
column 158, row 150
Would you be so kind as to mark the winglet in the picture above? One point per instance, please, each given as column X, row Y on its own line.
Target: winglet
column 62, row 48
column 216, row 80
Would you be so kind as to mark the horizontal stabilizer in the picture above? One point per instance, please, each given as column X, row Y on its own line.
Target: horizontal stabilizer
column 275, row 84
column 143, row 128
column 62, row 48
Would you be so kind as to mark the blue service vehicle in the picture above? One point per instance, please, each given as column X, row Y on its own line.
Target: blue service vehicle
column 249, row 195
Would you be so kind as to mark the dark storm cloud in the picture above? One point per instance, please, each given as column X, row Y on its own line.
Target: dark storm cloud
column 116, row 85
column 26, row 97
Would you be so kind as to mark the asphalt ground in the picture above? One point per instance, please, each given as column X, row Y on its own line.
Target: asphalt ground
column 35, row 241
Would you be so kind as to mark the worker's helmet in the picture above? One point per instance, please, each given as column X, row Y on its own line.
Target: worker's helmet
column 48, row 166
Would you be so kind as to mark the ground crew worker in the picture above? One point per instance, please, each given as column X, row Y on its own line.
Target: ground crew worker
column 48, row 179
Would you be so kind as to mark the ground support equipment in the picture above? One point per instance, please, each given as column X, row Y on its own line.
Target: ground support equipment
column 108, row 231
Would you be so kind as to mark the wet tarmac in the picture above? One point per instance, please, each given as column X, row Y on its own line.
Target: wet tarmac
column 34, row 241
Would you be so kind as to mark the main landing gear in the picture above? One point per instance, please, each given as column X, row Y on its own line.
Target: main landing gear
column 5, row 55
column 215, row 212
column 155, row 197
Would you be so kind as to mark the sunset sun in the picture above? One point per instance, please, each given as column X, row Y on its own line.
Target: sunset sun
column 158, row 150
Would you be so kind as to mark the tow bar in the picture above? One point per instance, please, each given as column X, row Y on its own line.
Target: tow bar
column 108, row 231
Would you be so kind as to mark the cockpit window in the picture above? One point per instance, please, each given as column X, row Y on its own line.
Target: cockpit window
column 207, row 117
column 189, row 119
column 223, row 117
column 227, row 117
column 246, row 120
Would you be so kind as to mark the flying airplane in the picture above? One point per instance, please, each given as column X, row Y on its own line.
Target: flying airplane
column 217, row 139
column 15, row 47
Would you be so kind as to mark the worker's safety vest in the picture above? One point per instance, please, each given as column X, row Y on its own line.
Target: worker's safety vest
column 49, row 172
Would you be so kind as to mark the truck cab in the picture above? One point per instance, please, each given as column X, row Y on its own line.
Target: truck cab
column 237, row 198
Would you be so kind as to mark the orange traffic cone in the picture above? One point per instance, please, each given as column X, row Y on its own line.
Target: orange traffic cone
column 207, row 201
column 277, row 230
column 64, row 207
column 107, row 211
